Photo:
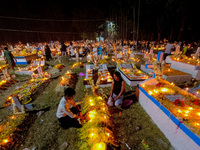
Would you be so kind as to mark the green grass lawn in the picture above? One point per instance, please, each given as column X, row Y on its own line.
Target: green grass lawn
column 133, row 126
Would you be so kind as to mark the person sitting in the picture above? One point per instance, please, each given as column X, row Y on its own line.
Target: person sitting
column 117, row 90
column 68, row 111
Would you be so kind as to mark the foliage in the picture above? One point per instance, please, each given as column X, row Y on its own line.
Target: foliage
column 7, row 128
column 95, row 130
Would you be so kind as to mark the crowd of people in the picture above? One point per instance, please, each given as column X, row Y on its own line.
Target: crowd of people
column 85, row 47
column 69, row 112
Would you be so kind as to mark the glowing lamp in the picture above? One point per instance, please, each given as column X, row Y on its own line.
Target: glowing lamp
column 92, row 114
column 100, row 97
column 92, row 135
column 187, row 111
column 5, row 141
column 156, row 91
column 169, row 70
column 164, row 89
column 99, row 146
column 179, row 111
column 198, row 113
column 143, row 85
column 190, row 108
column 150, row 93
column 109, row 80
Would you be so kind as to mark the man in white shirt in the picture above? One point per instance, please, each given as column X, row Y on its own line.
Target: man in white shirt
column 168, row 48
column 69, row 111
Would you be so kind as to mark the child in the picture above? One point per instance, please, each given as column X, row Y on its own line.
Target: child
column 69, row 111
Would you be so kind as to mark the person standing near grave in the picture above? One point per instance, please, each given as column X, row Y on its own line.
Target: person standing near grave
column 117, row 90
column 185, row 48
column 9, row 58
column 48, row 52
column 168, row 49
column 63, row 49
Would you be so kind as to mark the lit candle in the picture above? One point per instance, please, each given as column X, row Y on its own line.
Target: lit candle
column 187, row 111
column 150, row 93
column 190, row 108
column 164, row 89
column 109, row 80
column 5, row 141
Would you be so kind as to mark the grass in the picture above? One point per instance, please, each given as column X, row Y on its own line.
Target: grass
column 132, row 127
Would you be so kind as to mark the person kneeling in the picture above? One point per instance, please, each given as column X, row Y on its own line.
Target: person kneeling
column 117, row 90
column 68, row 111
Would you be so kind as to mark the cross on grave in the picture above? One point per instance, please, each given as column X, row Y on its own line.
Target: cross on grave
column 17, row 107
column 6, row 74
column 77, row 57
column 159, row 58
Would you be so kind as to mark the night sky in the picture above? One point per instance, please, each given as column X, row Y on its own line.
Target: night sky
column 78, row 18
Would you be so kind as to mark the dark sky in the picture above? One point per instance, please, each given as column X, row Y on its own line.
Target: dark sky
column 36, row 8
column 164, row 16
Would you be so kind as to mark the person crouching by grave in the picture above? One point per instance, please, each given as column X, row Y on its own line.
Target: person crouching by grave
column 68, row 112
column 117, row 90
column 9, row 58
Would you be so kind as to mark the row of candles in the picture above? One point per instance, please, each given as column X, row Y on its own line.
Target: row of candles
column 13, row 117
column 189, row 111
column 97, row 135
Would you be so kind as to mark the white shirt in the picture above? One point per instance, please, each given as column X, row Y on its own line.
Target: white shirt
column 168, row 48
column 64, row 108
column 72, row 52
